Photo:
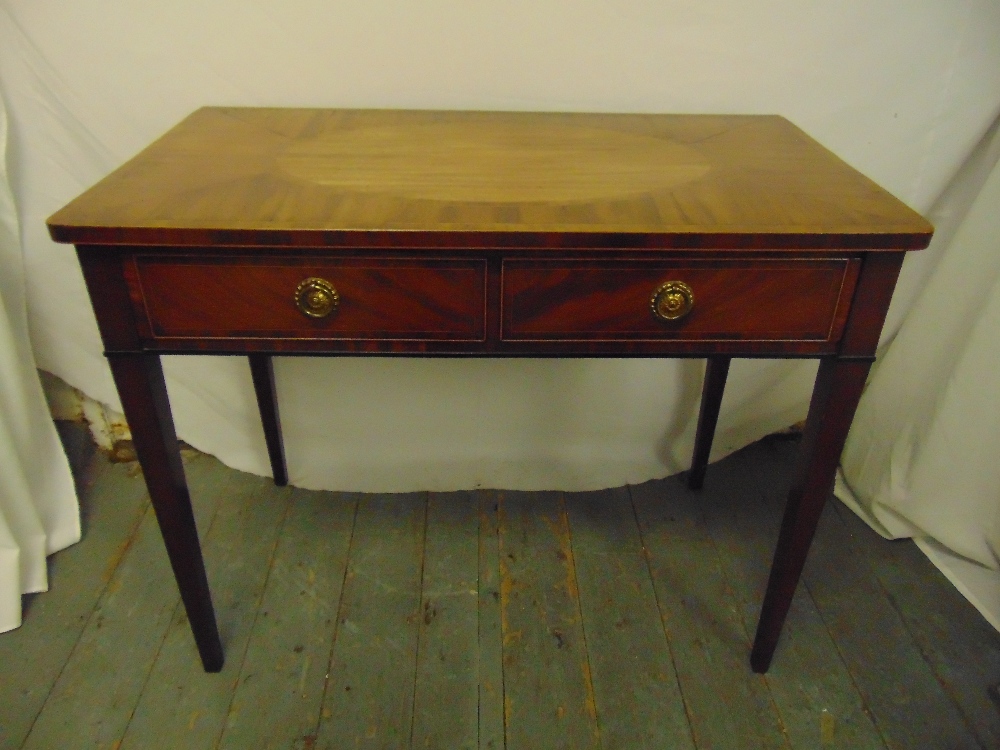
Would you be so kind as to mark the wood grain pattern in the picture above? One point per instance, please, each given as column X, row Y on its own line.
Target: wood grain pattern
column 741, row 300
column 40, row 658
column 835, row 397
column 370, row 688
column 104, row 275
column 727, row 707
column 96, row 694
column 491, row 687
column 143, row 391
column 630, row 658
column 447, row 671
column 960, row 646
column 871, row 302
column 325, row 177
column 254, row 297
column 549, row 696
column 120, row 300
column 278, row 693
column 912, row 709
column 813, row 690
column 842, row 652
column 900, row 689
column 486, row 234
column 186, row 708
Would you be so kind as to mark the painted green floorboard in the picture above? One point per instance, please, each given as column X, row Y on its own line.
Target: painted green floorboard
column 490, row 645
column 897, row 685
column 957, row 641
column 90, row 704
column 32, row 657
column 639, row 704
column 369, row 695
column 182, row 706
column 446, row 700
column 280, row 689
column 811, row 686
column 548, row 694
column 728, row 705
column 549, row 634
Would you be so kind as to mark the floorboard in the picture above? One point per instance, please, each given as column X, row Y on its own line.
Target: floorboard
column 113, row 505
column 962, row 648
column 548, row 693
column 728, row 706
column 492, row 619
column 448, row 645
column 812, row 688
column 93, row 700
column 180, row 707
column 639, row 704
column 279, row 692
column 369, row 698
column 491, row 688
column 895, row 681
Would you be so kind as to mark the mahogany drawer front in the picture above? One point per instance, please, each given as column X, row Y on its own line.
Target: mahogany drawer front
column 194, row 297
column 762, row 300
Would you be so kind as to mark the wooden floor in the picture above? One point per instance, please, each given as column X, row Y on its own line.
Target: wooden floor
column 492, row 619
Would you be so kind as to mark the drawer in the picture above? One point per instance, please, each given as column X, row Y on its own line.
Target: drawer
column 225, row 296
column 593, row 300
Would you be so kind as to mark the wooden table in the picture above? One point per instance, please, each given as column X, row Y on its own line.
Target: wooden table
column 404, row 233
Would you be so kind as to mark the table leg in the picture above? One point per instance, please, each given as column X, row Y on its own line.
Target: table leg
column 262, row 371
column 835, row 398
column 716, row 372
column 143, row 392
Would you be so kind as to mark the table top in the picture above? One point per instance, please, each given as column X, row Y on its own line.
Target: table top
column 275, row 231
column 318, row 177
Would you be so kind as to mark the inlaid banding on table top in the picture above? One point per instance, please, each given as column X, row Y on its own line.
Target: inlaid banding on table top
column 260, row 297
column 306, row 177
column 739, row 300
column 416, row 233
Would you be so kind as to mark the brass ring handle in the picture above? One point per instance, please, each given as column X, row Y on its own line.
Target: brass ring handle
column 316, row 298
column 672, row 301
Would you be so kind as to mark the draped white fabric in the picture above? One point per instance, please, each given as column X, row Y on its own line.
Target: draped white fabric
column 921, row 459
column 38, row 508
column 903, row 91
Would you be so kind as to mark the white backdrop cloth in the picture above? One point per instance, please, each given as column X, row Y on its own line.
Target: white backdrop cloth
column 921, row 459
column 38, row 508
column 902, row 91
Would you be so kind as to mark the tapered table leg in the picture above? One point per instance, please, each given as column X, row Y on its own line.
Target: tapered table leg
column 262, row 371
column 835, row 398
column 716, row 372
column 143, row 392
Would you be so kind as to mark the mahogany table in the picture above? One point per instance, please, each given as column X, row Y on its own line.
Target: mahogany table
column 409, row 233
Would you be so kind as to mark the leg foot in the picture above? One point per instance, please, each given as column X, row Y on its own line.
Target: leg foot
column 835, row 398
column 143, row 392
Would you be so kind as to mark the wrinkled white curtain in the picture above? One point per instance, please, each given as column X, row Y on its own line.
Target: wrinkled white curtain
column 902, row 91
column 923, row 456
column 38, row 508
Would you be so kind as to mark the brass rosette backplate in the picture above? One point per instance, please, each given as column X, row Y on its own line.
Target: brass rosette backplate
column 316, row 297
column 672, row 301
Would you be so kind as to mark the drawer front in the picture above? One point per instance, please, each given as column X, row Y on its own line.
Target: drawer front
column 198, row 297
column 762, row 300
